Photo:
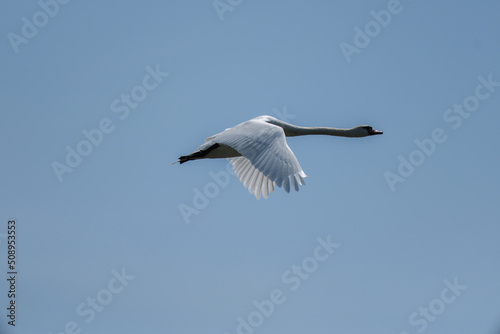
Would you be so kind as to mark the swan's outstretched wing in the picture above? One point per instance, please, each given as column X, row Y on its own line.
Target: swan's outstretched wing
column 266, row 158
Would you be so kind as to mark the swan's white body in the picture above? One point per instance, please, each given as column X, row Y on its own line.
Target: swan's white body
column 260, row 156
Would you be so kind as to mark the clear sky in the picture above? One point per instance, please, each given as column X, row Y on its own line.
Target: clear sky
column 392, row 234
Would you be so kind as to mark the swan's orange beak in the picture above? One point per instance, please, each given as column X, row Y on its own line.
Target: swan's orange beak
column 375, row 132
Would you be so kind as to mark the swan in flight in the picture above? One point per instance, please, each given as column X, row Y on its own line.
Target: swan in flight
column 260, row 156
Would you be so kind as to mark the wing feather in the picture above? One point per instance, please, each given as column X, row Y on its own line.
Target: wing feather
column 265, row 187
column 246, row 169
column 250, row 181
column 258, row 186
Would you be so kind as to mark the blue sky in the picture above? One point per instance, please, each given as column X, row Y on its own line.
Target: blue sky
column 102, row 244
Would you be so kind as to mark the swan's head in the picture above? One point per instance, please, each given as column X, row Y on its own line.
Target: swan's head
column 365, row 130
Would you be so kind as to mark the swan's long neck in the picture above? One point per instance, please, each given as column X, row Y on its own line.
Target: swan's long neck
column 303, row 131
column 293, row 130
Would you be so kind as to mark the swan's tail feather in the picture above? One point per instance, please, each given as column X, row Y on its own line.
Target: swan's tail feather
column 196, row 155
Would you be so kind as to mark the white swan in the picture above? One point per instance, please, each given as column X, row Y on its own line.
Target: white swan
column 260, row 156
